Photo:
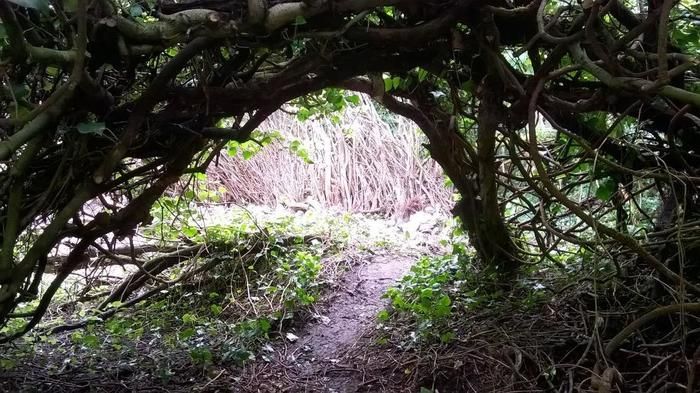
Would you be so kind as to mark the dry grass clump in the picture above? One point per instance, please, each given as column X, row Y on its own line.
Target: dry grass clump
column 365, row 162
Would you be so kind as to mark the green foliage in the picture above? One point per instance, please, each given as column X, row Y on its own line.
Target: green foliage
column 606, row 189
column 427, row 293
column 324, row 103
column 392, row 83
column 222, row 316
column 685, row 30
column 7, row 364
column 299, row 20
column 299, row 273
column 86, row 340
column 201, row 356
column 300, row 151
column 424, row 294
column 249, row 149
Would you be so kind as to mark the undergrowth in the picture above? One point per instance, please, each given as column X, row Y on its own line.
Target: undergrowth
column 427, row 306
column 262, row 280
column 223, row 316
column 269, row 269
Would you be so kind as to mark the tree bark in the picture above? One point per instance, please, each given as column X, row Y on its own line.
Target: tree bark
column 497, row 247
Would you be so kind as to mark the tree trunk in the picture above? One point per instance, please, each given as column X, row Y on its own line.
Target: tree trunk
column 499, row 250
column 473, row 174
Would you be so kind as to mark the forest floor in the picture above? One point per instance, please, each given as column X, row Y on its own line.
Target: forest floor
column 321, row 357
column 181, row 349
column 308, row 302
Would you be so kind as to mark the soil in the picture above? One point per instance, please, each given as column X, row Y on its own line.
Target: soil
column 318, row 358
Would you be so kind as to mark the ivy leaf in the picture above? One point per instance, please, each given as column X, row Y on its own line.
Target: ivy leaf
column 247, row 154
column 442, row 307
column 303, row 114
column 41, row 5
column 447, row 337
column 96, row 128
column 388, row 84
column 7, row 364
column 232, row 148
column 299, row 20
column 353, row 99
column 264, row 325
column 189, row 319
column 216, row 309
column 422, row 74
column 185, row 334
column 606, row 190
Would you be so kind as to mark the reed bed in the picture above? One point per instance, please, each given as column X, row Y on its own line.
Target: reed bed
column 362, row 161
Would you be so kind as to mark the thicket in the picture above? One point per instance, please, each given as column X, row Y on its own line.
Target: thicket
column 107, row 104
column 357, row 159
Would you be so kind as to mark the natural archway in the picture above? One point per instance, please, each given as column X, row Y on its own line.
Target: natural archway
column 111, row 100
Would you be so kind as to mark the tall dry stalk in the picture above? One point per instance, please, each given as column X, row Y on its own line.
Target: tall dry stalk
column 360, row 164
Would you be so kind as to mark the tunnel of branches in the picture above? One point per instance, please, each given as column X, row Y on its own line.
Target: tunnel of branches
column 107, row 101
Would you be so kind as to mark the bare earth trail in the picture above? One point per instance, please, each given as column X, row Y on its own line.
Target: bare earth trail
column 317, row 361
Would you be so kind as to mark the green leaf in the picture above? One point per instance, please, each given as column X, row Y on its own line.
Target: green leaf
column 388, row 84
column 303, row 114
column 90, row 341
column 185, row 334
column 239, row 356
column 264, row 325
column 334, row 97
column 95, row 128
column 190, row 232
column 353, row 99
column 7, row 364
column 299, row 20
column 444, row 301
column 41, row 5
column 201, row 356
column 606, row 190
column 232, row 148
column 447, row 337
column 189, row 318
column 216, row 309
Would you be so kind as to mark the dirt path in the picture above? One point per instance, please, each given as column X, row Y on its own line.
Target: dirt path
column 316, row 361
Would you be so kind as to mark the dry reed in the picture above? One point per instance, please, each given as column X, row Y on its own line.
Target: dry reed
column 366, row 162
